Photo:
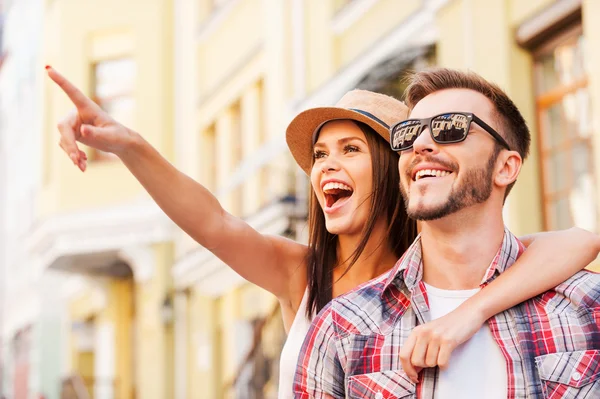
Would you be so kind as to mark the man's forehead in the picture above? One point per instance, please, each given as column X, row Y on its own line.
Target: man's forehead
column 448, row 100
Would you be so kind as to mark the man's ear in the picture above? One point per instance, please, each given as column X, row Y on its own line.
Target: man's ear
column 508, row 168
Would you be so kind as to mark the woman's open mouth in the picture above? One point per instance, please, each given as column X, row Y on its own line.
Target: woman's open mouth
column 336, row 194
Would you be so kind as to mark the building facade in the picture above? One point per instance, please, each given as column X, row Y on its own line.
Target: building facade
column 22, row 374
column 129, row 305
column 244, row 68
column 99, row 230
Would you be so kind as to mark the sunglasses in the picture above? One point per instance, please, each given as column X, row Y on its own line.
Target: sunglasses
column 448, row 128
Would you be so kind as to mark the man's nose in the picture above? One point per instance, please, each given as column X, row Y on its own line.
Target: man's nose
column 424, row 143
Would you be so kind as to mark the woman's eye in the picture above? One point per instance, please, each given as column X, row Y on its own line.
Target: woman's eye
column 319, row 154
column 351, row 148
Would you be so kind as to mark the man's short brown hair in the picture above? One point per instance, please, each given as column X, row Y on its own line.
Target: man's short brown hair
column 512, row 124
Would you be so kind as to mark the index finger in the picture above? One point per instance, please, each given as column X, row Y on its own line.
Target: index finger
column 79, row 99
column 406, row 354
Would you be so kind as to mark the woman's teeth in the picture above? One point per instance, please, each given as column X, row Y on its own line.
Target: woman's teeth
column 335, row 191
column 431, row 173
column 336, row 186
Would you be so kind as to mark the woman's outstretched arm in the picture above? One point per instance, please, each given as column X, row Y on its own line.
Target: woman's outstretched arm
column 264, row 260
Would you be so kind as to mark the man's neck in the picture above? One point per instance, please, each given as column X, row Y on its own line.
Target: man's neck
column 458, row 249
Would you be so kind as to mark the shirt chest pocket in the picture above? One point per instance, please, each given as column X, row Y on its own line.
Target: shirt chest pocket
column 382, row 385
column 570, row 374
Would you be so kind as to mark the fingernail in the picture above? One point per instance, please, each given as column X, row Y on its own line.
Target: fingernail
column 73, row 158
column 47, row 67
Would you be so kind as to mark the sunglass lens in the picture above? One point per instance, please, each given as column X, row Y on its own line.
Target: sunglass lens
column 449, row 128
column 405, row 134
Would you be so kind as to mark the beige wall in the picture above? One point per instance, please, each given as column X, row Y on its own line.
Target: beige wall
column 74, row 40
column 108, row 304
column 591, row 29
column 374, row 24
column 154, row 340
column 78, row 34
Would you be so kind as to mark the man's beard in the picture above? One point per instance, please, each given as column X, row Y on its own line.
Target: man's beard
column 475, row 188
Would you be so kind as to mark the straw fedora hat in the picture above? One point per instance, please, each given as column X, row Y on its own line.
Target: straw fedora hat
column 376, row 110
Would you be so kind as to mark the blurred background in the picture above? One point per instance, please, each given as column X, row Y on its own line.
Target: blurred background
column 101, row 296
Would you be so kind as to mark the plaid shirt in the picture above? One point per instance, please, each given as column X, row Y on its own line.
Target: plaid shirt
column 551, row 343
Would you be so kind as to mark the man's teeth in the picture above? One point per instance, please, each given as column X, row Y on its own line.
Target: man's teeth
column 336, row 186
column 431, row 172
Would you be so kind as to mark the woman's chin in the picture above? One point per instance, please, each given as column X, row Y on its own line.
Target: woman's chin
column 340, row 226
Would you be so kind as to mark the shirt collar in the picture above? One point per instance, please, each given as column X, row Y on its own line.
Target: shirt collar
column 408, row 270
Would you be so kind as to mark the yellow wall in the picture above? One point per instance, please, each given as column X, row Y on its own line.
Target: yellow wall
column 222, row 51
column 110, row 303
column 320, row 50
column 154, row 340
column 591, row 28
column 383, row 17
column 245, row 70
column 73, row 42
column 204, row 363
column 213, row 332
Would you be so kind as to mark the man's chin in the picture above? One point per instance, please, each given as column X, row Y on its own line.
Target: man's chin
column 428, row 213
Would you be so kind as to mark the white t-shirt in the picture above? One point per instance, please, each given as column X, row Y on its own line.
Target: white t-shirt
column 477, row 368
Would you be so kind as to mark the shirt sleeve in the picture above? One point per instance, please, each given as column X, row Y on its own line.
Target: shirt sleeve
column 319, row 373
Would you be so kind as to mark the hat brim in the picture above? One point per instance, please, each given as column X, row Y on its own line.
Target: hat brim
column 301, row 130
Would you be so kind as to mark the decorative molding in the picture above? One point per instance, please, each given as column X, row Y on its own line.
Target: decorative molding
column 215, row 19
column 349, row 14
column 549, row 20
column 74, row 286
column 142, row 261
column 119, row 232
column 208, row 273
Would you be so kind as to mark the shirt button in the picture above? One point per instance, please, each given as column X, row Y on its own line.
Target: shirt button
column 576, row 376
column 379, row 395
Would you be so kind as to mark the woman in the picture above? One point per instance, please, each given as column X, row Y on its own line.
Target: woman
column 358, row 227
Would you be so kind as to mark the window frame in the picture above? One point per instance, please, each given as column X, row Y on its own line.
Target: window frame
column 98, row 156
column 543, row 102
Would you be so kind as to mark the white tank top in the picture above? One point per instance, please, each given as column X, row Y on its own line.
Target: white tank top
column 291, row 350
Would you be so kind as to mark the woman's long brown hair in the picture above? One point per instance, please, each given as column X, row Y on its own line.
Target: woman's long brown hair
column 385, row 201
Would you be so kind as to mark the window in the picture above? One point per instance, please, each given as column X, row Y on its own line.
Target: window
column 565, row 124
column 114, row 83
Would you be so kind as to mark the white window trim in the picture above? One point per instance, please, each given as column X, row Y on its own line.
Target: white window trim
column 128, row 230
column 349, row 14
column 215, row 19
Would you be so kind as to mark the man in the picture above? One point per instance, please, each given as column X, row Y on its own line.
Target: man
column 456, row 172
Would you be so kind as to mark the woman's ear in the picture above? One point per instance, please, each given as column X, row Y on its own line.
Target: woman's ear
column 509, row 165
